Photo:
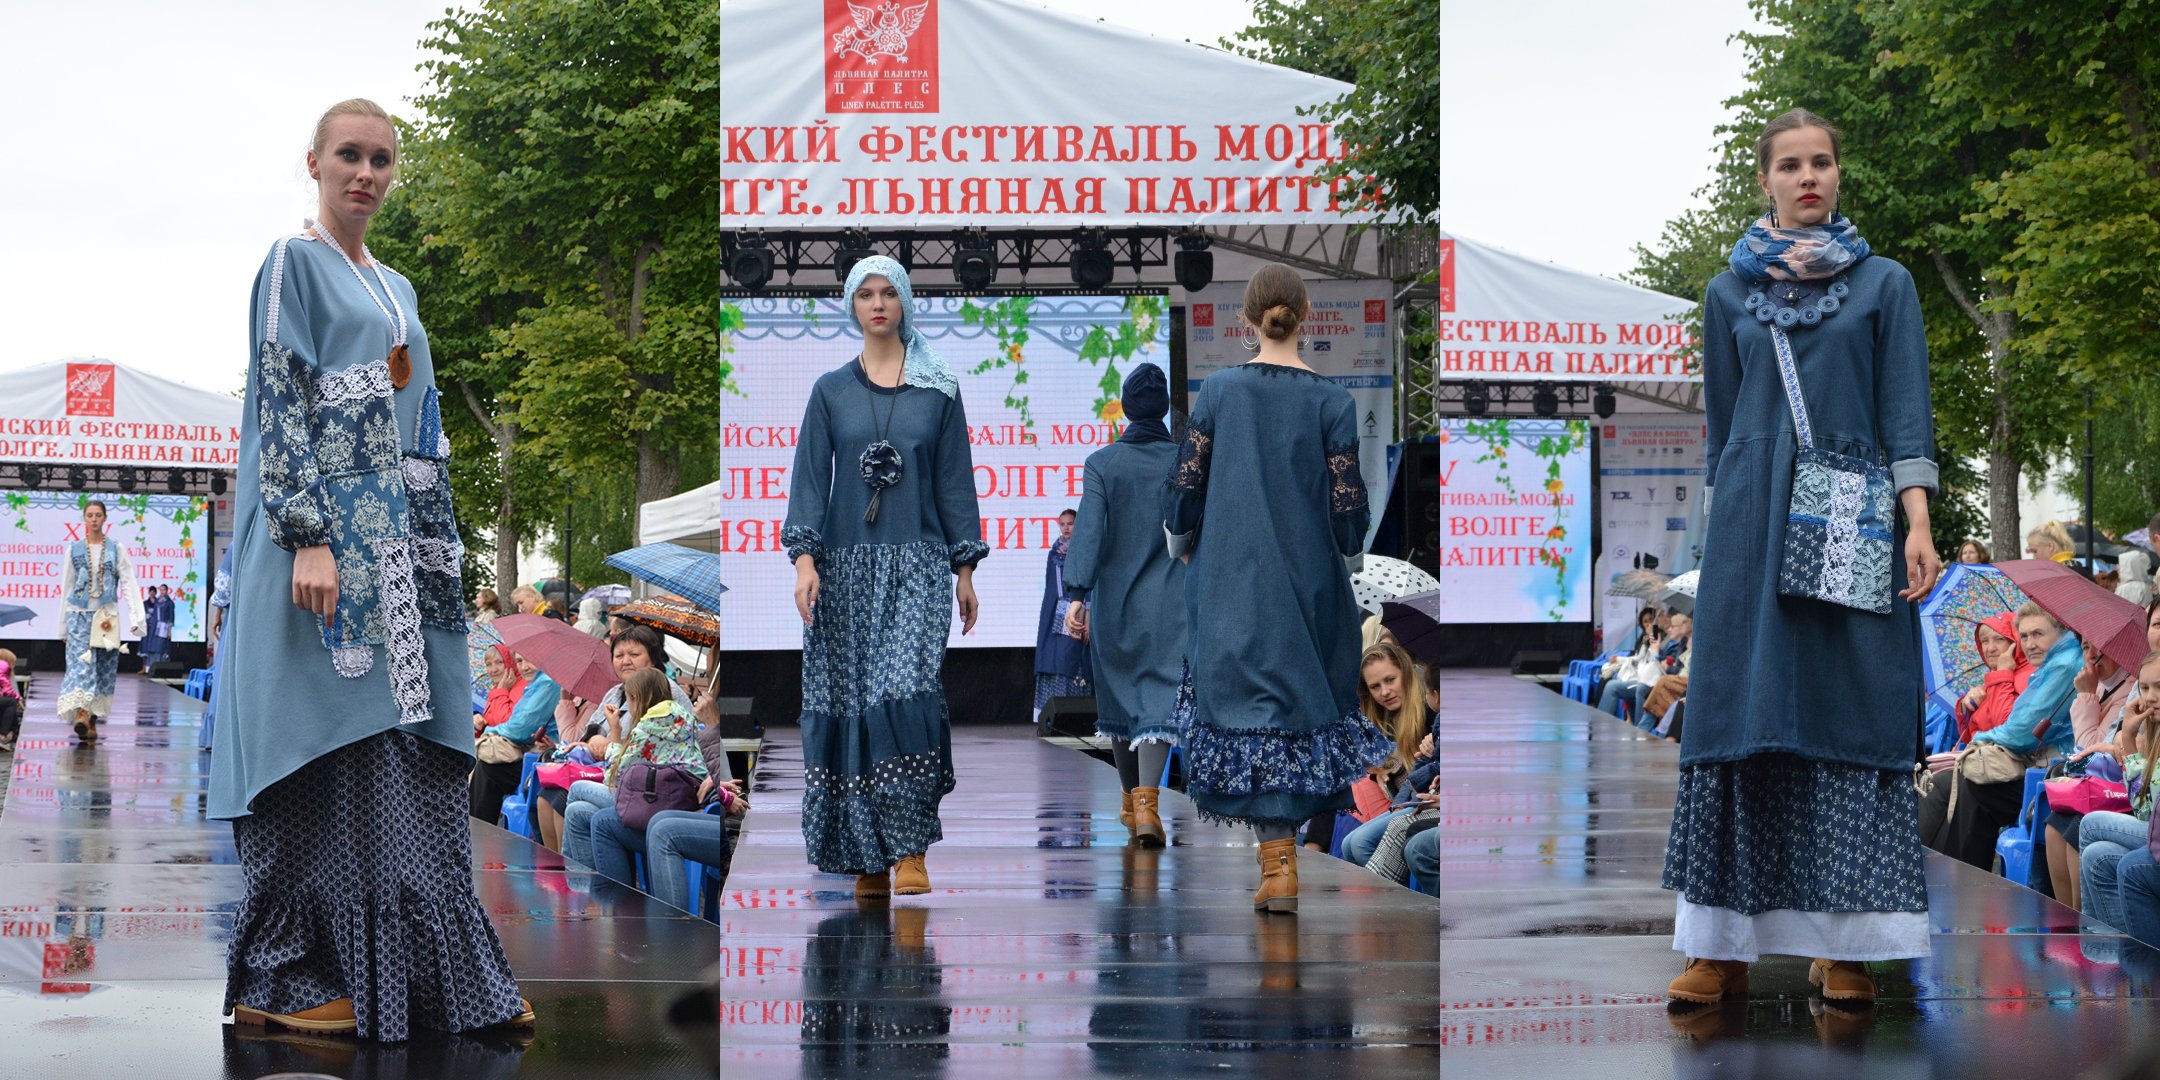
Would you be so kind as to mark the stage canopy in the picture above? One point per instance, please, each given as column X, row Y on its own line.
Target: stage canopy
column 691, row 519
column 998, row 114
column 96, row 412
column 1506, row 317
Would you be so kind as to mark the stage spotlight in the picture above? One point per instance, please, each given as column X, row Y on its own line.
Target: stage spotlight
column 751, row 265
column 974, row 263
column 175, row 482
column 1602, row 403
column 1546, row 401
column 217, row 483
column 127, row 479
column 33, row 477
column 1092, row 264
column 1474, row 400
column 78, row 478
column 1194, row 264
column 854, row 248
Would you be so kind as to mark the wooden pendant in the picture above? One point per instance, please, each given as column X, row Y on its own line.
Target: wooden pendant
column 400, row 367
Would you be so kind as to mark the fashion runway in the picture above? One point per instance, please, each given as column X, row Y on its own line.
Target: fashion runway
column 116, row 900
column 1049, row 948
column 1558, row 940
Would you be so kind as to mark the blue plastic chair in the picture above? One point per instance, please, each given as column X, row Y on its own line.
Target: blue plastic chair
column 198, row 684
column 1345, row 824
column 2014, row 845
column 517, row 809
column 704, row 880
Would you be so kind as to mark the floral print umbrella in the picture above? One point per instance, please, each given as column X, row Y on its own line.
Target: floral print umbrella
column 1385, row 579
column 479, row 638
column 1967, row 595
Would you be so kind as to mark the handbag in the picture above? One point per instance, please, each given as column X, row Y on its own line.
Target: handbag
column 493, row 749
column 562, row 774
column 644, row 789
column 2087, row 794
column 1837, row 525
column 1669, row 689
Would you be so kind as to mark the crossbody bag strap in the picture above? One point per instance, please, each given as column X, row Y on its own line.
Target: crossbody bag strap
column 1790, row 374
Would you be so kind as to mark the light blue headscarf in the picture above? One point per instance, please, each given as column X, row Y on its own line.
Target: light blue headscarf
column 922, row 367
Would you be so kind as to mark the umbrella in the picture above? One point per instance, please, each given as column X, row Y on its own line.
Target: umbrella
column 1966, row 596
column 2099, row 618
column 1638, row 584
column 1385, row 579
column 674, row 617
column 610, row 595
column 480, row 639
column 688, row 573
column 1679, row 593
column 15, row 613
column 576, row 660
column 1415, row 622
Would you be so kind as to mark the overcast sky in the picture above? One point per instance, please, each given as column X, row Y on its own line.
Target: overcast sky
column 1571, row 130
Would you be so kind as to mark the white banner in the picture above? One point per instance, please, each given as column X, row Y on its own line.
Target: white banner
column 992, row 113
column 1348, row 339
column 94, row 412
column 1504, row 316
column 1650, row 477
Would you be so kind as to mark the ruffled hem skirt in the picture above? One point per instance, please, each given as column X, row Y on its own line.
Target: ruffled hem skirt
column 358, row 872
column 91, row 673
column 1782, row 854
column 1274, row 776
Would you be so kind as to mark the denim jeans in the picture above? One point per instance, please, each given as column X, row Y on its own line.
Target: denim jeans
column 2139, row 880
column 669, row 838
column 1423, row 853
column 587, row 797
column 1358, row 846
column 1616, row 691
column 2103, row 839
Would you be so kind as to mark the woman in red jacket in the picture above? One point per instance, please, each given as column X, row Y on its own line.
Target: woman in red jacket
column 2008, row 673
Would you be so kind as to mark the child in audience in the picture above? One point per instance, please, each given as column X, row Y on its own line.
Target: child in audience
column 2104, row 837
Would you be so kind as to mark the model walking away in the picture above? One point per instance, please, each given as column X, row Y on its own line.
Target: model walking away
column 881, row 522
column 1795, row 830
column 344, row 696
column 1266, row 499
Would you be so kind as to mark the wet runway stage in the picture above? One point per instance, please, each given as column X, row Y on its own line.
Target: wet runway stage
column 116, row 900
column 1557, row 940
column 1049, row 948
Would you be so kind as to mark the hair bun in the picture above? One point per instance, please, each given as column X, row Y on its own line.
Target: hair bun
column 1279, row 322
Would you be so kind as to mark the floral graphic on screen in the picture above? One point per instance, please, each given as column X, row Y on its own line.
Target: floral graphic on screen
column 1539, row 454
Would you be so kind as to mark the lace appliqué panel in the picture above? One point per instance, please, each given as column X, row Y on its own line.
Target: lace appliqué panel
column 1194, row 455
column 1346, row 484
column 354, row 386
column 408, row 658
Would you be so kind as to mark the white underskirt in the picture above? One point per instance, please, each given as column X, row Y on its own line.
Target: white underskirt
column 1714, row 933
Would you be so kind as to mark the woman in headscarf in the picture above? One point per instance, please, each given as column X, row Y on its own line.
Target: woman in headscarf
column 506, row 684
column 589, row 617
column 1988, row 705
column 2134, row 568
column 881, row 521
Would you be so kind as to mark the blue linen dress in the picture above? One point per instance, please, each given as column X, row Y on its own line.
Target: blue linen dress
column 1061, row 660
column 1795, row 828
column 1135, row 592
column 88, row 593
column 371, row 710
column 1266, row 496
column 877, row 740
column 221, row 599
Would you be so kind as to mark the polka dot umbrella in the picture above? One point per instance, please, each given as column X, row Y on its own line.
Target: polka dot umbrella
column 1384, row 579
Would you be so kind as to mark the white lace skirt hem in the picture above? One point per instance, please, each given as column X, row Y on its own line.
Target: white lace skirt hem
column 1713, row 933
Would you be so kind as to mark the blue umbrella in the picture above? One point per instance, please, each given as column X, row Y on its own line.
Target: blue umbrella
column 1967, row 595
column 15, row 613
column 690, row 574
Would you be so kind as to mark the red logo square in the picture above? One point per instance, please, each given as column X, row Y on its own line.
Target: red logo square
column 90, row 389
column 881, row 56
column 1203, row 314
column 1376, row 311
column 1447, row 275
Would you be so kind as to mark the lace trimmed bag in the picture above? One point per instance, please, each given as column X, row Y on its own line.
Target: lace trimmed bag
column 1837, row 526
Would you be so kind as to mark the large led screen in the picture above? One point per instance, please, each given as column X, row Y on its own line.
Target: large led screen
column 167, row 538
column 1515, row 504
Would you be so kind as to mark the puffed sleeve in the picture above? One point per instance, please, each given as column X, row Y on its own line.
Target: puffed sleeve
column 1184, row 498
column 67, row 586
column 1349, row 512
column 1902, row 408
column 1721, row 387
column 957, row 513
column 1084, row 554
column 280, row 388
column 810, row 485
column 130, row 591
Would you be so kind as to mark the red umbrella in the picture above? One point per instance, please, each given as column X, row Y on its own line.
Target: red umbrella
column 573, row 658
column 2099, row 618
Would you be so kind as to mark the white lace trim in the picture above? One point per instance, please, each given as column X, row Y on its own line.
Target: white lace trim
column 100, row 705
column 401, row 607
column 1841, row 534
column 438, row 556
column 442, row 446
column 361, row 382
column 1713, row 933
column 353, row 661
column 419, row 474
column 277, row 291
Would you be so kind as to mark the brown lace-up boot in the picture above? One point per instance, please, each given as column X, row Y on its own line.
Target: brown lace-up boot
column 1707, row 981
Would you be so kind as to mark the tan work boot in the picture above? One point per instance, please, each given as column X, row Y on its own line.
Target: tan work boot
column 1708, row 981
column 330, row 1018
column 1278, row 877
column 1842, row 980
column 911, row 877
column 1124, row 815
column 1147, row 830
column 873, row 888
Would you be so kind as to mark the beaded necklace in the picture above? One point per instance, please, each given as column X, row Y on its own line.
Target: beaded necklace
column 400, row 359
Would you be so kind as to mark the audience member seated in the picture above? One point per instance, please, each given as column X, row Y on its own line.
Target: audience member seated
column 1392, row 697
column 2104, row 691
column 2104, row 837
column 2049, row 543
column 2038, row 728
column 1973, row 551
column 1376, row 632
column 593, row 726
column 2134, row 567
column 1622, row 676
column 1672, row 660
column 1401, row 711
column 493, row 780
column 11, row 703
column 2009, row 671
column 662, row 732
column 1670, row 686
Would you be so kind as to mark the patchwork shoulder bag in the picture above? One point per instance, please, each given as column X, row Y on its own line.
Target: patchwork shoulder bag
column 1837, row 526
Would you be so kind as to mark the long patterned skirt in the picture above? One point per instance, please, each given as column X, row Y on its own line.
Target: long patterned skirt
column 359, row 884
column 91, row 673
column 877, row 740
column 1782, row 854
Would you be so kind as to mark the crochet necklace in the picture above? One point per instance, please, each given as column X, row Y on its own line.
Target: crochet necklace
column 400, row 360
column 880, row 462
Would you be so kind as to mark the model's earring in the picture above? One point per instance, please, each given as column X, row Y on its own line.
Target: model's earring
column 1254, row 344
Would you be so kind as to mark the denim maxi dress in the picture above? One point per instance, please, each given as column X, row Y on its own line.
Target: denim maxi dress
column 877, row 741
column 1062, row 664
column 343, row 748
column 1266, row 496
column 1135, row 592
column 1795, row 828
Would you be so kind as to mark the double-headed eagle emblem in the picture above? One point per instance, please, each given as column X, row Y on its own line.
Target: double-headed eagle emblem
column 881, row 29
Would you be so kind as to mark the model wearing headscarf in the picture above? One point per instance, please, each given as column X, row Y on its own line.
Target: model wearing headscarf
column 881, row 518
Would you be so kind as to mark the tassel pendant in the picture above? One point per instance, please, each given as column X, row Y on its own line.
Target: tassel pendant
column 400, row 366
column 870, row 516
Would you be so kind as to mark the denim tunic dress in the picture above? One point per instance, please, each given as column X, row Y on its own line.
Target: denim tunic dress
column 1795, row 791
column 1135, row 592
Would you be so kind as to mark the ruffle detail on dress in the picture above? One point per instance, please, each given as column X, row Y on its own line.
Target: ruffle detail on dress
column 400, row 958
column 1266, row 775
